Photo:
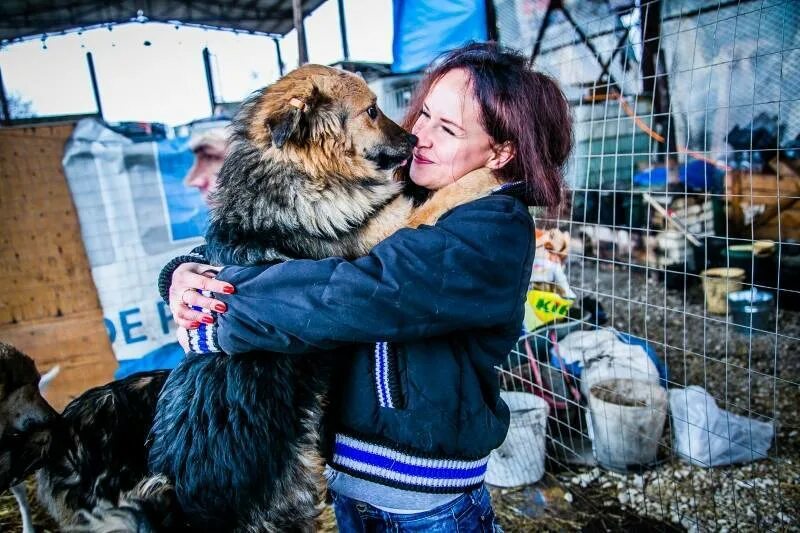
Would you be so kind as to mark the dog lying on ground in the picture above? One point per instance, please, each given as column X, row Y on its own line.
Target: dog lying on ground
column 85, row 457
column 309, row 175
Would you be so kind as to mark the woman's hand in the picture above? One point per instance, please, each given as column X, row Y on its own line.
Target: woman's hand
column 186, row 280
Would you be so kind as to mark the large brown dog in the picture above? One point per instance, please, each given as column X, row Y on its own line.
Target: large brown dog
column 309, row 175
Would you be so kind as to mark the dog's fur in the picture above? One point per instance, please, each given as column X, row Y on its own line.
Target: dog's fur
column 85, row 457
column 309, row 175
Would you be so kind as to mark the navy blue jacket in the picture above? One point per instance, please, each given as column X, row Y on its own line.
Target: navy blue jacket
column 432, row 312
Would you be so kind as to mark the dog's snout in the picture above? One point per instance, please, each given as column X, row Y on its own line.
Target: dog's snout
column 412, row 139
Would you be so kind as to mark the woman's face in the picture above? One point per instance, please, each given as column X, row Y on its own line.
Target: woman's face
column 452, row 141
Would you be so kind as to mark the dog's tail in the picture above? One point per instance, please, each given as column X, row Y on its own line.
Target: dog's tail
column 150, row 507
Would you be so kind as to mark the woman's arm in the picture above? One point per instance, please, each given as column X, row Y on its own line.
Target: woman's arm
column 468, row 271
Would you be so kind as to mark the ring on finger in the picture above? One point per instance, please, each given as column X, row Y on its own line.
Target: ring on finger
column 183, row 296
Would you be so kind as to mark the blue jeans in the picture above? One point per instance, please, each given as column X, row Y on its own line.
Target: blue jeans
column 469, row 513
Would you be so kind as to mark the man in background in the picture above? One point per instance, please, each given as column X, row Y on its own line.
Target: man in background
column 209, row 142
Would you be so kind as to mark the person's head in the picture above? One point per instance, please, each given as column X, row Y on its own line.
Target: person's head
column 481, row 106
column 209, row 147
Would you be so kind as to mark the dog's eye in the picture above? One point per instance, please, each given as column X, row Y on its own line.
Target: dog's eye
column 372, row 112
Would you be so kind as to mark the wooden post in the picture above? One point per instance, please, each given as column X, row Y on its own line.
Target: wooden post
column 302, row 48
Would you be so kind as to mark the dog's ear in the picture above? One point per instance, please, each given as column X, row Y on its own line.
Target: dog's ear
column 293, row 123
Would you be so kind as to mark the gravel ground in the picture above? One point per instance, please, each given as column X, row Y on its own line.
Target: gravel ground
column 756, row 376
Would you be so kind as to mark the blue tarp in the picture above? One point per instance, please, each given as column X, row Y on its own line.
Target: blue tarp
column 423, row 29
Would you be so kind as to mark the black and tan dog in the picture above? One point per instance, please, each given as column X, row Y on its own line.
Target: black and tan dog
column 309, row 175
column 85, row 457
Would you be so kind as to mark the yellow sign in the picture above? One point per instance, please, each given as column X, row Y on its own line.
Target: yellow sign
column 543, row 307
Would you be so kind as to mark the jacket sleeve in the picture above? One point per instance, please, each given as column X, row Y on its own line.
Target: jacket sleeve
column 468, row 271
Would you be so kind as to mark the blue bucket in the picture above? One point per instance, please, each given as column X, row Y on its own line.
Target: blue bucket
column 751, row 310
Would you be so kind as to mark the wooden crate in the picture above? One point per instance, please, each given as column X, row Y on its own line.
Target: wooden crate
column 764, row 206
column 49, row 307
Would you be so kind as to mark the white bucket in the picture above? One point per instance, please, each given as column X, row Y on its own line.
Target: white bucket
column 627, row 421
column 520, row 459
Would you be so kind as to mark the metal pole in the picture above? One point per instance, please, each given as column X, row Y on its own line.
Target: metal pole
column 4, row 102
column 552, row 5
column 492, row 33
column 654, row 76
column 343, row 31
column 278, row 54
column 302, row 48
column 209, row 79
column 95, row 89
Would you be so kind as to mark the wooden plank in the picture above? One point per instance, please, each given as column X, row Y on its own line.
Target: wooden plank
column 42, row 257
column 49, row 309
column 78, row 344
column 764, row 206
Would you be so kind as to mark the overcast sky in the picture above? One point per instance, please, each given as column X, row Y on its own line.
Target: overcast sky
column 165, row 81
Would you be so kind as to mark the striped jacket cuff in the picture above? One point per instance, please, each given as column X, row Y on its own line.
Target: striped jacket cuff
column 203, row 339
column 388, row 466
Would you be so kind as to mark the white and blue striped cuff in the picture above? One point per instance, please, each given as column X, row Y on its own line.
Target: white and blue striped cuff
column 388, row 466
column 204, row 338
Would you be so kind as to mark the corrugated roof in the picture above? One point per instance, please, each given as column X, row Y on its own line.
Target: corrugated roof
column 23, row 18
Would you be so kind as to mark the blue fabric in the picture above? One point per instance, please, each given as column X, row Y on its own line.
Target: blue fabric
column 701, row 176
column 164, row 357
column 423, row 29
column 651, row 177
column 470, row 513
column 576, row 367
column 651, row 353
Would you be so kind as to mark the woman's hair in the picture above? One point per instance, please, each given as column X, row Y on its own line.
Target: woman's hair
column 517, row 105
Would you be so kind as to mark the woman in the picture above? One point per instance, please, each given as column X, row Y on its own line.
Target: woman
column 416, row 410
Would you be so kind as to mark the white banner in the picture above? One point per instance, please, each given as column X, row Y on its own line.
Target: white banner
column 135, row 214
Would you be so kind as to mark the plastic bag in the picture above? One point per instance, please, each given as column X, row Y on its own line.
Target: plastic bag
column 706, row 435
column 604, row 353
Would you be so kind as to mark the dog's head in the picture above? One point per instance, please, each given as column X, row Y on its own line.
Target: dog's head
column 326, row 121
column 25, row 416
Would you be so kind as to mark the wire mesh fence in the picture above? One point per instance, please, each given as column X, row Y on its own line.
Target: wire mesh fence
column 663, row 328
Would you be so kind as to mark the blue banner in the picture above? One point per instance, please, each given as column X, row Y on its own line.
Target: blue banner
column 423, row 29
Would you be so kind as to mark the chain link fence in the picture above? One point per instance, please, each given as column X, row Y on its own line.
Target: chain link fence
column 663, row 330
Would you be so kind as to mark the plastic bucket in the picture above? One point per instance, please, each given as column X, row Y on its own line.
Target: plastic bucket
column 520, row 459
column 751, row 309
column 756, row 259
column 717, row 283
column 627, row 422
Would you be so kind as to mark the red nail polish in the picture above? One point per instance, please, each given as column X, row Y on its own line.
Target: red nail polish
column 221, row 307
column 207, row 320
column 228, row 289
column 194, row 325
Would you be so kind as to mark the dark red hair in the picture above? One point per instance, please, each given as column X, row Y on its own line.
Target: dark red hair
column 518, row 105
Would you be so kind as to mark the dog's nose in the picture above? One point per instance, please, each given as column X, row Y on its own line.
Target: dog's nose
column 412, row 139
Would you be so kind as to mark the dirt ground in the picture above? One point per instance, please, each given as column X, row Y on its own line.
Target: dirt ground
column 752, row 375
